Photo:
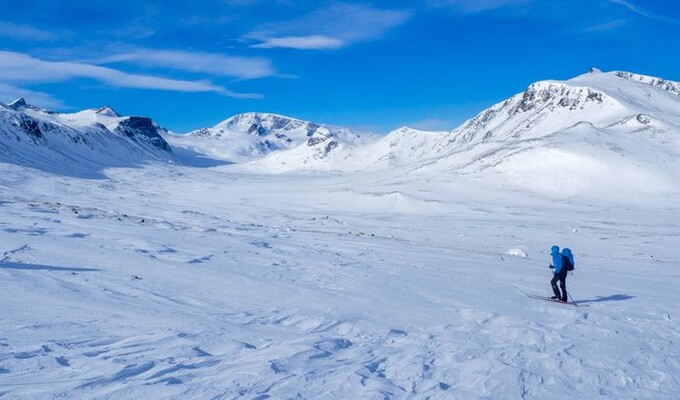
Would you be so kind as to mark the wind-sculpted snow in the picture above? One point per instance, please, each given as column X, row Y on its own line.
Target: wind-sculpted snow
column 175, row 282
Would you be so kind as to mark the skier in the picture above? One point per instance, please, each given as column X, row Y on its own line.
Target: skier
column 560, row 275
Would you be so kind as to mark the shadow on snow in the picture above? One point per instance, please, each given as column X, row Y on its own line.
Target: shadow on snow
column 599, row 299
column 38, row 267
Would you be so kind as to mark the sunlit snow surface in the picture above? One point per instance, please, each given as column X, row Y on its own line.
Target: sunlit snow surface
column 184, row 282
column 242, row 264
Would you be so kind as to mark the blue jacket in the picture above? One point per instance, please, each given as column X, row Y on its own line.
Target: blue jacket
column 556, row 259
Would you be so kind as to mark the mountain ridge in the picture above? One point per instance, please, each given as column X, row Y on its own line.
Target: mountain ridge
column 617, row 116
column 249, row 136
column 79, row 143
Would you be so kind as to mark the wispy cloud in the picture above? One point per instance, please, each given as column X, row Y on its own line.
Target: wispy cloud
column 25, row 32
column 644, row 13
column 40, row 99
column 475, row 6
column 19, row 67
column 603, row 27
column 331, row 27
column 201, row 62
column 312, row 42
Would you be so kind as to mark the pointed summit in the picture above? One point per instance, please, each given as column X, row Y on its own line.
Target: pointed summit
column 18, row 104
column 107, row 111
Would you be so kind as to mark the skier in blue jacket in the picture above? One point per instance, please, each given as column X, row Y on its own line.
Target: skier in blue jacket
column 560, row 275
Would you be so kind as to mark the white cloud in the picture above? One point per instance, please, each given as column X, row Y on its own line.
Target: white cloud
column 25, row 32
column 475, row 6
column 19, row 67
column 209, row 63
column 335, row 26
column 8, row 93
column 312, row 42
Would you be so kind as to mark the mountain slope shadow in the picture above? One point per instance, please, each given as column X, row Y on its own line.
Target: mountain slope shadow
column 192, row 158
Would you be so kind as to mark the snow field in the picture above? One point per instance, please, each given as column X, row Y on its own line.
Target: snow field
column 211, row 284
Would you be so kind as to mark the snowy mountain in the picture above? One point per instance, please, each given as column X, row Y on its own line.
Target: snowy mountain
column 599, row 99
column 250, row 136
column 77, row 142
column 598, row 132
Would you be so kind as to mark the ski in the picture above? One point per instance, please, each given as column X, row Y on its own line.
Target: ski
column 546, row 298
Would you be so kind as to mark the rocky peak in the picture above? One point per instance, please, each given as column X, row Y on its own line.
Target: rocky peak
column 107, row 111
column 669, row 86
column 556, row 95
column 255, row 123
column 18, row 104
column 320, row 135
column 142, row 129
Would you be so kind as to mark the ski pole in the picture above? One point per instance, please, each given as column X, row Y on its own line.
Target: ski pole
column 572, row 299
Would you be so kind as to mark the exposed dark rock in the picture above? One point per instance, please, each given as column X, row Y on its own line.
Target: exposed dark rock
column 30, row 126
column 669, row 86
column 555, row 95
column 283, row 137
column 257, row 129
column 313, row 141
column 643, row 119
column 18, row 104
column 108, row 111
column 330, row 146
column 142, row 129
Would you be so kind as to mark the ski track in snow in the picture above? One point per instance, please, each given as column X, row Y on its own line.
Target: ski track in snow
column 166, row 282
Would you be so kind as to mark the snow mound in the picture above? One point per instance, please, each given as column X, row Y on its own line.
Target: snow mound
column 516, row 252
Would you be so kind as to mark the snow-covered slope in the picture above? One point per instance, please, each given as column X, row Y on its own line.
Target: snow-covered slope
column 603, row 100
column 79, row 143
column 246, row 137
column 325, row 286
column 599, row 133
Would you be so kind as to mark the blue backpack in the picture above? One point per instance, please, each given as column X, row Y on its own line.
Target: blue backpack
column 567, row 259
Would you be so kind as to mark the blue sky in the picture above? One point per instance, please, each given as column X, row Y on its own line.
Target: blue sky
column 373, row 65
